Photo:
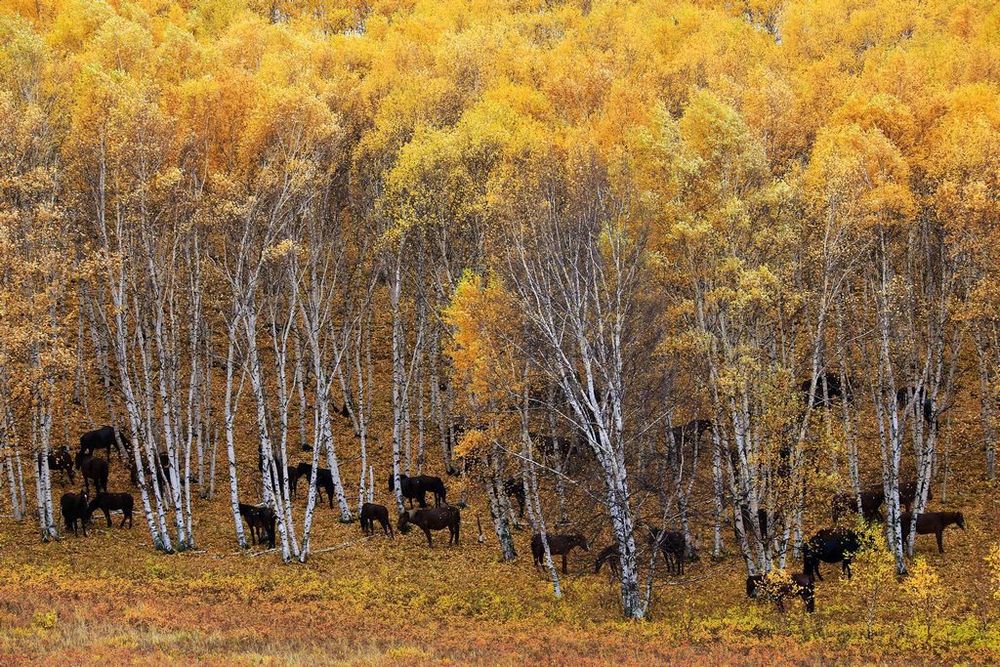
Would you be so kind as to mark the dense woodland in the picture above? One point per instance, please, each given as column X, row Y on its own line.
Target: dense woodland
column 696, row 266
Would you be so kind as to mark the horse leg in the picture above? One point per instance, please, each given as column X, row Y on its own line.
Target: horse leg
column 565, row 571
column 427, row 532
column 107, row 516
column 940, row 540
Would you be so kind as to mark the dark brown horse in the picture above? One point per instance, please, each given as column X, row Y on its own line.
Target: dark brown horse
column 610, row 556
column 514, row 488
column 427, row 520
column 674, row 548
column 559, row 545
column 411, row 488
column 370, row 513
column 872, row 498
column 800, row 585
column 324, row 480
column 830, row 545
column 93, row 468
column 109, row 502
column 932, row 522
column 102, row 438
column 74, row 508
column 434, row 485
column 61, row 459
column 261, row 520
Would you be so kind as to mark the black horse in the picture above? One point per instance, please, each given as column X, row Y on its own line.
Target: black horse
column 411, row 489
column 833, row 389
column 514, row 488
column 370, row 513
column 102, row 438
column 920, row 402
column 830, row 545
column 427, row 520
column 431, row 484
column 74, row 508
column 324, row 480
column 109, row 502
column 61, row 459
column 93, row 468
column 261, row 520
column 674, row 548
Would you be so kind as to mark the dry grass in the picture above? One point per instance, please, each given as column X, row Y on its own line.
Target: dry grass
column 110, row 598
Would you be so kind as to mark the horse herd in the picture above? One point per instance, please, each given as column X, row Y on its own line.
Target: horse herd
column 840, row 544
column 836, row 544
column 77, row 508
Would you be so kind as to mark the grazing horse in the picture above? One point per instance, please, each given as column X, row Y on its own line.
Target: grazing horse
column 324, row 480
column 411, row 488
column 108, row 502
column 872, row 498
column 673, row 546
column 559, row 545
column 427, row 520
column 370, row 513
column 514, row 488
column 74, row 508
column 431, row 484
column 612, row 557
column 260, row 519
column 932, row 522
column 102, row 438
column 845, row 504
column 800, row 585
column 93, row 468
column 60, row 459
column 830, row 545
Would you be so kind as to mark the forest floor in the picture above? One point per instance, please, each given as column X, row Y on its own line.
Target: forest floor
column 110, row 598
